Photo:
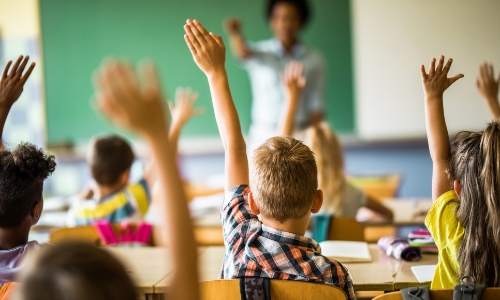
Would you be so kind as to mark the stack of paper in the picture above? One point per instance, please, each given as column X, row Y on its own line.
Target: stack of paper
column 424, row 273
column 346, row 252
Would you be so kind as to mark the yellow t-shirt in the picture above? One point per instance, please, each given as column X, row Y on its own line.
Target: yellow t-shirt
column 447, row 232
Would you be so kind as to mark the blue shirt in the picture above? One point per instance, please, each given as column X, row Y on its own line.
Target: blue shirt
column 265, row 65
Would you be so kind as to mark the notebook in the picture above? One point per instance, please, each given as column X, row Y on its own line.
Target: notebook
column 424, row 273
column 346, row 252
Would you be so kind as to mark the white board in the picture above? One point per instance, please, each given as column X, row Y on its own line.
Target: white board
column 392, row 38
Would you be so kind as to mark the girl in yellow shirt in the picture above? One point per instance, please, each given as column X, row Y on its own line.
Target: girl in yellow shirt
column 465, row 222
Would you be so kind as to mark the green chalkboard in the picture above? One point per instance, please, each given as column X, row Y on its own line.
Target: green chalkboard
column 78, row 35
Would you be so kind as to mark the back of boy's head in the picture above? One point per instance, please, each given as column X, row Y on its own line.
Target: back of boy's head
column 330, row 160
column 22, row 173
column 73, row 271
column 109, row 157
column 283, row 178
column 475, row 163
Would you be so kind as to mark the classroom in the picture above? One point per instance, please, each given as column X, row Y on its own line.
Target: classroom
column 249, row 149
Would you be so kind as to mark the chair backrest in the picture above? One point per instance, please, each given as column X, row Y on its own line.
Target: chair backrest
column 86, row 233
column 280, row 289
column 205, row 236
column 7, row 290
column 346, row 229
column 378, row 187
column 446, row 294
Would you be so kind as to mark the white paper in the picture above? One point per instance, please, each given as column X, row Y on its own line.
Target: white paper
column 424, row 273
column 345, row 251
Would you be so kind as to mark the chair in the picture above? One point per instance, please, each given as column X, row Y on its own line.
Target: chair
column 346, row 229
column 447, row 294
column 7, row 290
column 378, row 187
column 280, row 289
column 205, row 236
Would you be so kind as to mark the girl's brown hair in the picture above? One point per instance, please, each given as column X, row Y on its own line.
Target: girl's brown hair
column 330, row 160
column 75, row 271
column 475, row 163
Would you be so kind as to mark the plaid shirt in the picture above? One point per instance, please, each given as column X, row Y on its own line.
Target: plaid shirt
column 254, row 249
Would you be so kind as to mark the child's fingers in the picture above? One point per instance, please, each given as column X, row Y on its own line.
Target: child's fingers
column 194, row 40
column 152, row 81
column 201, row 29
column 455, row 77
column 190, row 44
column 196, row 32
column 171, row 105
column 179, row 94
column 432, row 67
column 422, row 72
column 126, row 81
column 490, row 71
column 439, row 68
column 13, row 71
column 20, row 70
column 28, row 73
column 6, row 69
column 447, row 66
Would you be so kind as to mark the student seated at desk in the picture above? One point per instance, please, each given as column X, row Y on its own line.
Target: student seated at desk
column 465, row 217
column 340, row 198
column 75, row 271
column 112, row 198
column 22, row 173
column 283, row 190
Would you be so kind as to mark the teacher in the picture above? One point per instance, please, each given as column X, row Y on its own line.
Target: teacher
column 266, row 60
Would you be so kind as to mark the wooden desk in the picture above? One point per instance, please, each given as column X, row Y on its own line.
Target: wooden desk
column 405, row 277
column 378, row 275
column 147, row 267
column 407, row 212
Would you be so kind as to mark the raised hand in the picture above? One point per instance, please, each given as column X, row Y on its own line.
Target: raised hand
column 436, row 81
column 486, row 82
column 12, row 83
column 183, row 110
column 128, row 103
column 208, row 49
column 232, row 26
column 293, row 78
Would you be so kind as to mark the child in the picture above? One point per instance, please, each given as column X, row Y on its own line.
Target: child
column 22, row 172
column 339, row 196
column 283, row 180
column 464, row 219
column 53, row 275
column 487, row 86
column 110, row 160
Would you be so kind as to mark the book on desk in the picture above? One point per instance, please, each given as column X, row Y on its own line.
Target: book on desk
column 346, row 252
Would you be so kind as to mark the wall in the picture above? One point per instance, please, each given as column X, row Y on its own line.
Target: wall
column 19, row 34
column 392, row 38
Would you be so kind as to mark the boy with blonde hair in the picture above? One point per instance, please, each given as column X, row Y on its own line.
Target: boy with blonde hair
column 284, row 190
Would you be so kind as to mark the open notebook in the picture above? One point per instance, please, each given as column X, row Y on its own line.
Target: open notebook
column 424, row 273
column 346, row 252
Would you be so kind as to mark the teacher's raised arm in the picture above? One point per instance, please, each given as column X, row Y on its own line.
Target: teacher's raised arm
column 265, row 62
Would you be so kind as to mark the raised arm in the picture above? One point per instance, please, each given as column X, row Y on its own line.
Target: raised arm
column 236, row 38
column 294, row 82
column 487, row 85
column 434, row 84
column 182, row 111
column 139, row 108
column 209, row 53
column 11, row 87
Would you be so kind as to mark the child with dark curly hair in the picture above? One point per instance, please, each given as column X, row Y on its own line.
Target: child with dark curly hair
column 22, row 172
